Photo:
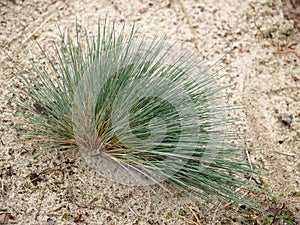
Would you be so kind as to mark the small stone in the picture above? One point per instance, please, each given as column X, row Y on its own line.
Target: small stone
column 78, row 218
column 286, row 119
column 143, row 9
column 50, row 221
column 3, row 218
column 235, row 44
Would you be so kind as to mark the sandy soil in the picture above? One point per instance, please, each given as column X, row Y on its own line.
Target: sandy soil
column 261, row 41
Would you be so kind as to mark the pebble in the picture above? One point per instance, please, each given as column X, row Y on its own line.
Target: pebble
column 50, row 221
column 286, row 119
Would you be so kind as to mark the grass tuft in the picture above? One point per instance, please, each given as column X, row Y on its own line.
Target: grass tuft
column 140, row 111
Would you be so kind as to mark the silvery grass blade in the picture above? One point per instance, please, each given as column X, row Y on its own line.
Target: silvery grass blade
column 140, row 111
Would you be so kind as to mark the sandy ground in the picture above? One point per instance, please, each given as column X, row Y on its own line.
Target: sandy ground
column 261, row 43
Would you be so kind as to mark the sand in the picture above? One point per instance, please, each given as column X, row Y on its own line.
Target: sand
column 257, row 45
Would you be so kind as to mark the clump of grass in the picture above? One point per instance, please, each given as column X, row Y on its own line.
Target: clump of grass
column 140, row 111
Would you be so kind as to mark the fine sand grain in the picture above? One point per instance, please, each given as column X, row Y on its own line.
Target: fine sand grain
column 258, row 44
